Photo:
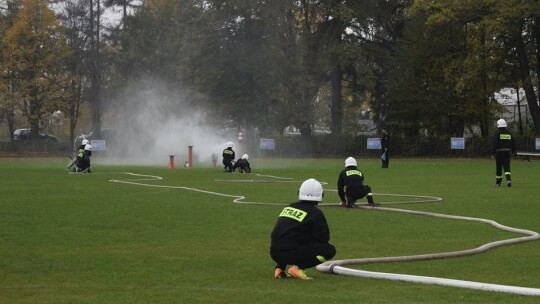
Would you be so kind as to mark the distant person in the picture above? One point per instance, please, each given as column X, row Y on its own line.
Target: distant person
column 351, row 185
column 301, row 235
column 243, row 164
column 228, row 157
column 214, row 160
column 385, row 148
column 503, row 148
column 83, row 160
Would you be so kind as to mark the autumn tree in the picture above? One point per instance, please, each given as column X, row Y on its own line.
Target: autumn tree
column 74, row 16
column 7, row 97
column 455, row 55
column 36, row 54
column 299, row 64
column 517, row 24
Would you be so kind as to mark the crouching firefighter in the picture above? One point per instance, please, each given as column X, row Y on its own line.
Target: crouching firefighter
column 228, row 157
column 351, row 185
column 243, row 164
column 83, row 160
column 83, row 144
column 301, row 235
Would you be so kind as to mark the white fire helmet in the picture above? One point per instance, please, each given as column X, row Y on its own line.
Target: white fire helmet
column 501, row 123
column 88, row 148
column 311, row 190
column 245, row 156
column 350, row 161
column 85, row 142
column 230, row 144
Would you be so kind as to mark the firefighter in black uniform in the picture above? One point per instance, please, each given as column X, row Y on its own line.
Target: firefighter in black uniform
column 228, row 157
column 80, row 154
column 83, row 160
column 243, row 164
column 301, row 235
column 81, row 147
column 351, row 185
column 503, row 147
column 385, row 157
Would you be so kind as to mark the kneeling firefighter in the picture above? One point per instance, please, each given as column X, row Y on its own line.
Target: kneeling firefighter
column 301, row 235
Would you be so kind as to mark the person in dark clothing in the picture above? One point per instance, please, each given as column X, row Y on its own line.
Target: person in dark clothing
column 301, row 235
column 228, row 157
column 81, row 147
column 83, row 160
column 385, row 157
column 214, row 160
column 243, row 164
column 78, row 155
column 503, row 148
column 351, row 185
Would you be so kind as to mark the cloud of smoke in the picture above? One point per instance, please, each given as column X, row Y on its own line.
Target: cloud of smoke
column 151, row 122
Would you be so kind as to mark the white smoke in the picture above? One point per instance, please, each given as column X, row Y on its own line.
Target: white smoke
column 152, row 122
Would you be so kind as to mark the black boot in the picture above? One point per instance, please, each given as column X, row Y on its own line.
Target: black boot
column 370, row 200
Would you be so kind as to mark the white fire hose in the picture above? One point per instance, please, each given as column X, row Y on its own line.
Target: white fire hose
column 337, row 266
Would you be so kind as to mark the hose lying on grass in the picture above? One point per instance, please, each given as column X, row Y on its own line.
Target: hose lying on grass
column 337, row 266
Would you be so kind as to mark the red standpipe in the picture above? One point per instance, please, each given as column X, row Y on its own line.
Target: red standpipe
column 190, row 156
column 172, row 165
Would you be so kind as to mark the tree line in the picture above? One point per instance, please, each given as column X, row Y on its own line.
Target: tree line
column 420, row 67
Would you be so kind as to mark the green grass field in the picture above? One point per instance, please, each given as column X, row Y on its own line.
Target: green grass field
column 79, row 238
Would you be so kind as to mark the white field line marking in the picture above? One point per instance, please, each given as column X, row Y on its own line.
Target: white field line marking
column 336, row 266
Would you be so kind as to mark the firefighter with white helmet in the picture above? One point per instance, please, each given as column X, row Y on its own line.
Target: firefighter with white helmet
column 83, row 160
column 83, row 144
column 301, row 235
column 243, row 165
column 503, row 148
column 228, row 157
column 351, row 185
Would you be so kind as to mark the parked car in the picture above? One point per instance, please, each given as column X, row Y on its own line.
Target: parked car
column 25, row 135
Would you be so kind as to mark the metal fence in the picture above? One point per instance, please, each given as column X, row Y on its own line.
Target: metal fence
column 331, row 146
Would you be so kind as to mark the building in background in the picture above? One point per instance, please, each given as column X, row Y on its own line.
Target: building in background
column 516, row 112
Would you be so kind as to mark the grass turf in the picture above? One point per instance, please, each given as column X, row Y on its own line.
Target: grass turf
column 68, row 238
